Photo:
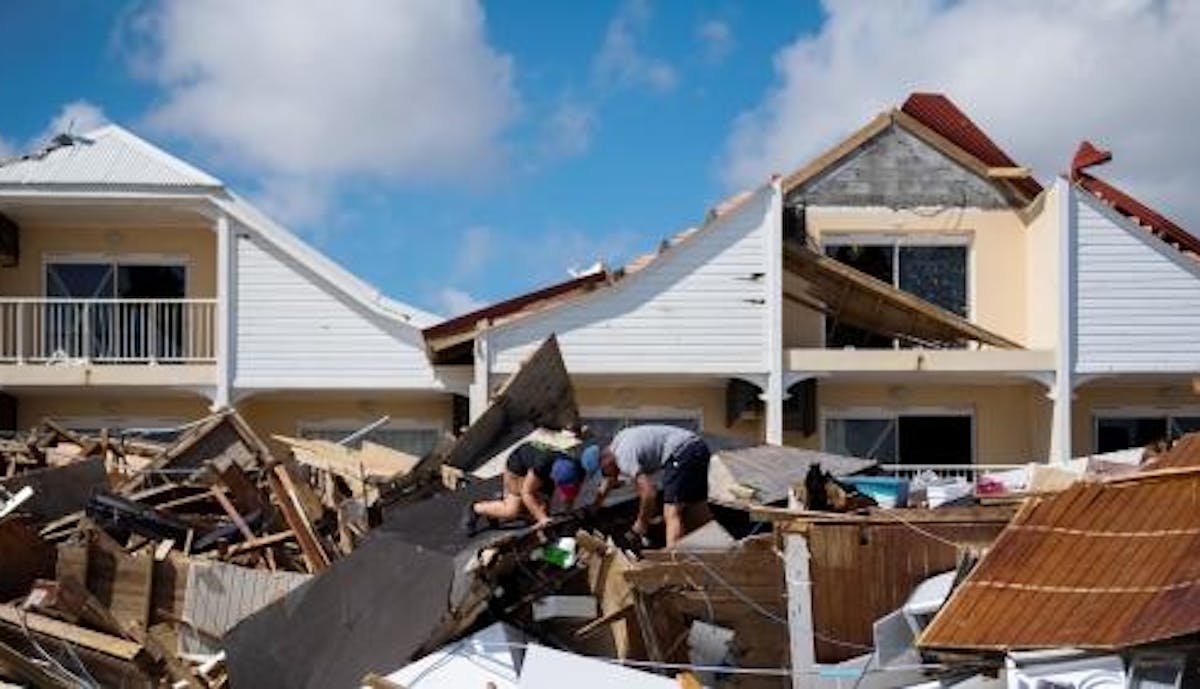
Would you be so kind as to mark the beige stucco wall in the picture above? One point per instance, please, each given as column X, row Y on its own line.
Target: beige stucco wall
column 1042, row 242
column 997, row 258
column 40, row 240
column 1174, row 396
column 628, row 397
column 284, row 413
column 1012, row 421
column 109, row 409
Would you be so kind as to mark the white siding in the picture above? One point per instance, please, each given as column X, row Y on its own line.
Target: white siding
column 698, row 308
column 296, row 331
column 1138, row 299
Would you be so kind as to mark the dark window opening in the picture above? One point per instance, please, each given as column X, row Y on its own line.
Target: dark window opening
column 1123, row 433
column 904, row 439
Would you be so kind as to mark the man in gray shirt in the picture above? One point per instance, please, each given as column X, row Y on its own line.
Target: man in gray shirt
column 641, row 452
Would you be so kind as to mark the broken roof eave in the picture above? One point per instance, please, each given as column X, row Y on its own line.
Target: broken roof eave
column 838, row 289
column 1007, row 178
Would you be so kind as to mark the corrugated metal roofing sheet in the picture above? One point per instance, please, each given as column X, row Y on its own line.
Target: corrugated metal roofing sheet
column 1098, row 566
column 1088, row 156
column 107, row 157
column 939, row 113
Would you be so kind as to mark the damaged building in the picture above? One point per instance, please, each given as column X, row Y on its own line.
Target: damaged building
column 937, row 392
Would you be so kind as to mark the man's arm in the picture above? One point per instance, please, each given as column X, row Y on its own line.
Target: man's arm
column 606, row 484
column 647, row 492
column 531, row 496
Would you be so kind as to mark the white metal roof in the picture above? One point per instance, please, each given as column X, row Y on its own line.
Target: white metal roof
column 106, row 157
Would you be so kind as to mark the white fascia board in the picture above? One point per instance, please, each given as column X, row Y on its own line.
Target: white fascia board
column 329, row 271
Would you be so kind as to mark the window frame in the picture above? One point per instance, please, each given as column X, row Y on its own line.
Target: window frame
column 348, row 425
column 118, row 259
column 869, row 413
column 1166, row 412
column 896, row 240
column 643, row 414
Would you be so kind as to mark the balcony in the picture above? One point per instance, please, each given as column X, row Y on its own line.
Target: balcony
column 67, row 341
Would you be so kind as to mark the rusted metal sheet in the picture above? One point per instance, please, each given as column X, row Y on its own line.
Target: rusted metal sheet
column 1098, row 566
column 861, row 571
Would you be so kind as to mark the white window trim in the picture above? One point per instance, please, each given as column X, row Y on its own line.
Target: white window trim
column 646, row 413
column 893, row 414
column 115, row 259
column 896, row 240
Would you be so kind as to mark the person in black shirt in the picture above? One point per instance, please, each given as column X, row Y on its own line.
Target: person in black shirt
column 531, row 474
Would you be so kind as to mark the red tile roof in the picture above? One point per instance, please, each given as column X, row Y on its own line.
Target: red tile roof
column 1088, row 156
column 939, row 113
column 1104, row 566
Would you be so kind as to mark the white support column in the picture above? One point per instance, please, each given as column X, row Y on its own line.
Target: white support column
column 1064, row 377
column 480, row 395
column 225, row 327
column 799, row 607
column 774, row 300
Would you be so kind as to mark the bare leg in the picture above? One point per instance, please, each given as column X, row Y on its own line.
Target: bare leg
column 507, row 508
column 673, row 516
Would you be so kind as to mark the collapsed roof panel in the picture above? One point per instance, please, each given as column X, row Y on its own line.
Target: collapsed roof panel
column 1099, row 566
column 855, row 298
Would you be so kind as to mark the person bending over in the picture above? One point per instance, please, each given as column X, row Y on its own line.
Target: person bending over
column 640, row 453
column 531, row 474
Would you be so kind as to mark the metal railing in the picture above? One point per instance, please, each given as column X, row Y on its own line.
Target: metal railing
column 970, row 472
column 49, row 330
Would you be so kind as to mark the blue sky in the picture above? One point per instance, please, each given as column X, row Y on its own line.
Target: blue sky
column 453, row 152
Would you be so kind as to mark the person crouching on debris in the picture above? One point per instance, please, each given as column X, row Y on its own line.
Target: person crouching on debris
column 640, row 452
column 531, row 474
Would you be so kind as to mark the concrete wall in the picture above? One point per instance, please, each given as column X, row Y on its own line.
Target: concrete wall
column 896, row 169
column 1012, row 421
column 197, row 246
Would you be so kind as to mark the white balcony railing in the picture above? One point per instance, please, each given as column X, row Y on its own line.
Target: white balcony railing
column 114, row 331
column 970, row 472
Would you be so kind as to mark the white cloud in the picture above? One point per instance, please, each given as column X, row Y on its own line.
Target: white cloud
column 622, row 62
column 319, row 91
column 716, row 39
column 1037, row 76
column 455, row 302
column 76, row 117
column 567, row 132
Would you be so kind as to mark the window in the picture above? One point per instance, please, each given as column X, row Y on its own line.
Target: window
column 603, row 424
column 117, row 331
column 935, row 271
column 155, row 429
column 414, row 439
column 1123, row 430
column 904, row 438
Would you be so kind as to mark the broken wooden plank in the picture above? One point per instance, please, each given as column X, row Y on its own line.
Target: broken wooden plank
column 283, row 488
column 80, row 636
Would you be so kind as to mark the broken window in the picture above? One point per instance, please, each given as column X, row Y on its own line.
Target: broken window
column 1139, row 430
column 934, row 272
column 903, row 438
